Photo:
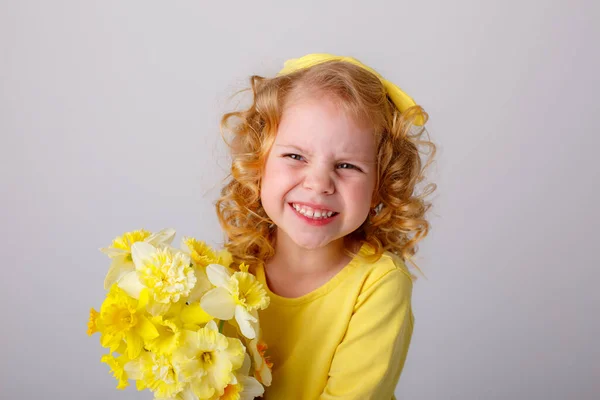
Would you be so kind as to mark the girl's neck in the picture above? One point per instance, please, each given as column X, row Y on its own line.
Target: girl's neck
column 299, row 261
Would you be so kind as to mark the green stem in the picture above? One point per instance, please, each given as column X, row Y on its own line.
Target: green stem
column 221, row 324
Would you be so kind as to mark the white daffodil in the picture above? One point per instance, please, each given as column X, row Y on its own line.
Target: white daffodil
column 202, row 255
column 120, row 251
column 165, row 272
column 207, row 360
column 157, row 373
column 237, row 295
column 246, row 387
column 262, row 364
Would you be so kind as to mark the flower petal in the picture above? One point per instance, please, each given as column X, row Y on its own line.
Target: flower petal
column 130, row 283
column 155, row 308
column 261, row 367
column 225, row 257
column 245, row 368
column 141, row 251
column 264, row 373
column 110, row 341
column 118, row 267
column 146, row 329
column 202, row 388
column 164, row 236
column 220, row 374
column 184, row 247
column 135, row 368
column 252, row 388
column 143, row 299
column 116, row 368
column 188, row 394
column 212, row 325
column 218, row 303
column 114, row 252
column 243, row 319
column 134, row 345
column 236, row 352
column 194, row 314
column 218, row 275
column 168, row 338
column 202, row 285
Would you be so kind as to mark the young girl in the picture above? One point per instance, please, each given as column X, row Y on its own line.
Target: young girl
column 321, row 202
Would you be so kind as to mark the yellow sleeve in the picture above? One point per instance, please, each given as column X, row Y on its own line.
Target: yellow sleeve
column 368, row 362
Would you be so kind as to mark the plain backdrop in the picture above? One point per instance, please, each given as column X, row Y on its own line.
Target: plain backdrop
column 109, row 116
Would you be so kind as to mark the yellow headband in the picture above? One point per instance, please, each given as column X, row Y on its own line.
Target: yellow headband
column 402, row 100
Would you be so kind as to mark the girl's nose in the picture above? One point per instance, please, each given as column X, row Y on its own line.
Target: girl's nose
column 319, row 181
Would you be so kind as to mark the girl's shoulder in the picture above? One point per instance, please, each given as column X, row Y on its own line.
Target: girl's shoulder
column 389, row 266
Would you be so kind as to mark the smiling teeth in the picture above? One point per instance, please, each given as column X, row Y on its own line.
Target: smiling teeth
column 311, row 213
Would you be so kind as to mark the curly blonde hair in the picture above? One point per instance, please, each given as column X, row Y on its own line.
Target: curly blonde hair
column 397, row 222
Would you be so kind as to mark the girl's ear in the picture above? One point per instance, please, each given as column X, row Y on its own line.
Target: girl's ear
column 377, row 209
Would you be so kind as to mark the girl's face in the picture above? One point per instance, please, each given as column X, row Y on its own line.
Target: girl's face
column 320, row 174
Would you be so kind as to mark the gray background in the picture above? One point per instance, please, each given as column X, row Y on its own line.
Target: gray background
column 109, row 122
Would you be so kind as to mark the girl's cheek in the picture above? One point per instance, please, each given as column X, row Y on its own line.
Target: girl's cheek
column 279, row 174
column 285, row 169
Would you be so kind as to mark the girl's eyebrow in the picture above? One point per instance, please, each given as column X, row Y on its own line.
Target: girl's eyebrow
column 349, row 156
column 291, row 146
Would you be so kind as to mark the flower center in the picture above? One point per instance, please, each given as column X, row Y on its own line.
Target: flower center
column 207, row 357
column 232, row 392
column 121, row 319
column 250, row 293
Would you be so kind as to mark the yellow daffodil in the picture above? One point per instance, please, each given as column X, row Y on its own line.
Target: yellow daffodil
column 159, row 320
column 224, row 257
column 157, row 373
column 202, row 255
column 120, row 251
column 262, row 364
column 165, row 272
column 202, row 286
column 206, row 360
column 187, row 316
column 237, row 295
column 123, row 318
column 168, row 336
column 246, row 387
column 92, row 322
column 193, row 316
column 117, row 368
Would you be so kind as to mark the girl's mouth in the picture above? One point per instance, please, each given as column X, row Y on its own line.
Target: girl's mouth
column 313, row 216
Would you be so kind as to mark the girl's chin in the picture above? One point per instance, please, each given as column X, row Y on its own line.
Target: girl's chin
column 310, row 242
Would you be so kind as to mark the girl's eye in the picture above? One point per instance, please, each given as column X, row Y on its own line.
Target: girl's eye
column 347, row 166
column 298, row 157
column 293, row 156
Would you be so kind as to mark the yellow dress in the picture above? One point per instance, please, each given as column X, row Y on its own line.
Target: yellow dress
column 348, row 339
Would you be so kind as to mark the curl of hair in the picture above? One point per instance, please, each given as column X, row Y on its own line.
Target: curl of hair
column 397, row 222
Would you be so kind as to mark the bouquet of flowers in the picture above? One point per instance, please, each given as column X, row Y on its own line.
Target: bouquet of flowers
column 182, row 323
